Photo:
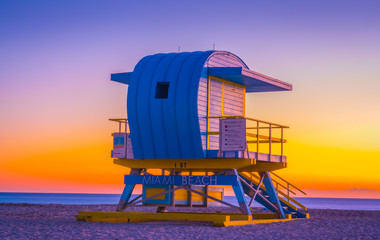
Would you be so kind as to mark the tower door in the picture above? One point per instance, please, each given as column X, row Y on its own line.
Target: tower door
column 224, row 99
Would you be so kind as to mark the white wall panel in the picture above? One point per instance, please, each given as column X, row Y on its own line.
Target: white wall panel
column 233, row 98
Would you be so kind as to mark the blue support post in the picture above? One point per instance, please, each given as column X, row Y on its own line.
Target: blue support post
column 273, row 196
column 239, row 193
column 127, row 192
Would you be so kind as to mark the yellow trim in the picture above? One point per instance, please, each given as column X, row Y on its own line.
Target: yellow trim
column 228, row 82
column 222, row 98
column 208, row 113
column 223, row 81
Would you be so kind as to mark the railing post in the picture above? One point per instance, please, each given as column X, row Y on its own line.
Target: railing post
column 282, row 143
column 270, row 142
column 206, row 192
column 172, row 199
column 189, row 193
column 252, row 179
column 257, row 141
column 288, row 192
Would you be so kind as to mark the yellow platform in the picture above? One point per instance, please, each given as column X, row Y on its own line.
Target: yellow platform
column 201, row 164
column 218, row 219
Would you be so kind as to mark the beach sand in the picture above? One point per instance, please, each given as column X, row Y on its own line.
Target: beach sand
column 55, row 221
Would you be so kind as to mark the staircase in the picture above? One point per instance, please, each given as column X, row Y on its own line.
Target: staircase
column 288, row 204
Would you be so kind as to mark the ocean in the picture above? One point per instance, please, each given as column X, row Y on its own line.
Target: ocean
column 81, row 198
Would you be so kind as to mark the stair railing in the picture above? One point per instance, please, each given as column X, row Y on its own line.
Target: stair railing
column 288, row 185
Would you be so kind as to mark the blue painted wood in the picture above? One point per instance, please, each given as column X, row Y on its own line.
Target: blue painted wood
column 132, row 108
column 273, row 197
column 169, row 107
column 182, row 180
column 144, row 109
column 239, row 193
column 167, row 128
column 184, row 113
column 157, row 114
column 257, row 199
column 121, row 77
column 127, row 193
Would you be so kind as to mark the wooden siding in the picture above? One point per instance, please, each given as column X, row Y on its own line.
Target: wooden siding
column 202, row 109
column 225, row 98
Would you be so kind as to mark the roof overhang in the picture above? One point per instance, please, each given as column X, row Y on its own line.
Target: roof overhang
column 253, row 81
column 121, row 77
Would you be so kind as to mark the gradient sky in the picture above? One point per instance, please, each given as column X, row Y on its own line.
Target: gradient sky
column 55, row 94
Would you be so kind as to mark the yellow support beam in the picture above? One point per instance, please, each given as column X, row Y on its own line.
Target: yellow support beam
column 218, row 219
column 202, row 164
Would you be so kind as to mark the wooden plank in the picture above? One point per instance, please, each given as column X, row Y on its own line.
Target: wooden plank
column 274, row 139
column 265, row 141
column 264, row 167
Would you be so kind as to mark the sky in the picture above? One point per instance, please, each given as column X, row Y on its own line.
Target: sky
column 56, row 58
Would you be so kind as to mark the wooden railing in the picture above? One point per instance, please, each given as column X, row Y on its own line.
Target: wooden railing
column 121, row 121
column 255, row 133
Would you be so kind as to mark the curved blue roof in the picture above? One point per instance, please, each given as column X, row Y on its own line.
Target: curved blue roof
column 166, row 127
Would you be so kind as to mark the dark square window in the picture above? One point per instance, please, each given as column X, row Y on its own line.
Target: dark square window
column 162, row 90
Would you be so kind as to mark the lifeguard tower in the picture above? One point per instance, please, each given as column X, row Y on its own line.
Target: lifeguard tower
column 187, row 139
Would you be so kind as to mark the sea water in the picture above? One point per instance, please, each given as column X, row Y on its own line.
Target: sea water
column 81, row 198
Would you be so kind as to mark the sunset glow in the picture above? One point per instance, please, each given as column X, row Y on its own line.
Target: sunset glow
column 56, row 94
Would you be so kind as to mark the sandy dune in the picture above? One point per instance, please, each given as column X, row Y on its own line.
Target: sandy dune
column 54, row 221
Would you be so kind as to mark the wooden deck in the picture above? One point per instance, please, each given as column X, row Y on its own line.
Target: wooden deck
column 202, row 164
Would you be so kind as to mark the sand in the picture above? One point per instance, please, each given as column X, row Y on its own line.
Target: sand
column 55, row 221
